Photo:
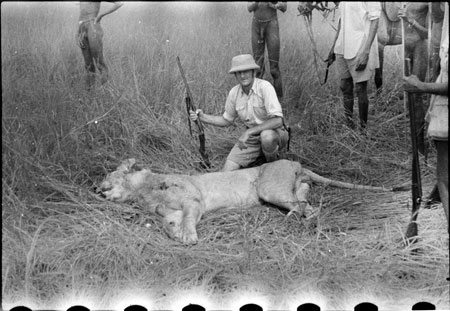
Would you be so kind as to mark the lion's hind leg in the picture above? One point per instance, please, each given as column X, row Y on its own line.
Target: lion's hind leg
column 278, row 183
column 302, row 191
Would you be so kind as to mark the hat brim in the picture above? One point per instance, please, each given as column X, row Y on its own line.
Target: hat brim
column 243, row 68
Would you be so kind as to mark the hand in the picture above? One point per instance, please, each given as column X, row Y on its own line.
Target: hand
column 331, row 58
column 402, row 13
column 80, row 40
column 411, row 84
column 194, row 115
column 361, row 61
column 241, row 142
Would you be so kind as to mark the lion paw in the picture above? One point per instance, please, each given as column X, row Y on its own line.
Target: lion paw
column 189, row 237
column 297, row 209
column 311, row 212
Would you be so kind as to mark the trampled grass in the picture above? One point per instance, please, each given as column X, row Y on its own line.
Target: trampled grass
column 63, row 245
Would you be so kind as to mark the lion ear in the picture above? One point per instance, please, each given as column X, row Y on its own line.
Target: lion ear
column 126, row 165
column 137, row 167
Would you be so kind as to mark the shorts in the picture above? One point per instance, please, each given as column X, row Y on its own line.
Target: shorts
column 437, row 118
column 253, row 152
column 346, row 69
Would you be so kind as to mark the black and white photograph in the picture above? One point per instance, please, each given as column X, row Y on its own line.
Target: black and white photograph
column 199, row 155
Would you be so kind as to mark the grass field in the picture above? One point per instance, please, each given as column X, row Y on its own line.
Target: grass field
column 62, row 245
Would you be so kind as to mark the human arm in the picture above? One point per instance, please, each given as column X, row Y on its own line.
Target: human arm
column 331, row 55
column 208, row 118
column 252, row 6
column 422, row 31
column 270, row 124
column 362, row 57
column 412, row 84
column 115, row 7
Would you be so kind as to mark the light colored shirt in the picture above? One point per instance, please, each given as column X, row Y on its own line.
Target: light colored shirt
column 435, row 113
column 255, row 108
column 443, row 52
column 354, row 31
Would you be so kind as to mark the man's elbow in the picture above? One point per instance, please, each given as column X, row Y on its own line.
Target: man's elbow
column 279, row 121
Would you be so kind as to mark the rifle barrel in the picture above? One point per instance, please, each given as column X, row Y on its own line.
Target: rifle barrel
column 191, row 104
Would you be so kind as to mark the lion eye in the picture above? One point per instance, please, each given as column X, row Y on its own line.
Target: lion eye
column 172, row 223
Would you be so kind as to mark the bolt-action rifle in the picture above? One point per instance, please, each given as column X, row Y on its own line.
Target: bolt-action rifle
column 416, row 185
column 190, row 106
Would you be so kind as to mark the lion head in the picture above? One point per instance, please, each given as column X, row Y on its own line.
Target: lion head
column 117, row 185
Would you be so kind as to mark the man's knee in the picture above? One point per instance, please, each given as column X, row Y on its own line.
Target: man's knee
column 230, row 166
column 346, row 85
column 361, row 88
column 269, row 139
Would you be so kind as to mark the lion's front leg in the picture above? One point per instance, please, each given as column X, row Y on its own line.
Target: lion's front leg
column 181, row 224
column 191, row 216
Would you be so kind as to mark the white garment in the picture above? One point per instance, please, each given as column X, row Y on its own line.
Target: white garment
column 354, row 30
column 255, row 108
column 437, row 114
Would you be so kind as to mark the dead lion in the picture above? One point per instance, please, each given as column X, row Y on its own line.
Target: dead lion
column 182, row 199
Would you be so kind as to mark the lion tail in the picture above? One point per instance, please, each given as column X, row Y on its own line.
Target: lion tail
column 340, row 184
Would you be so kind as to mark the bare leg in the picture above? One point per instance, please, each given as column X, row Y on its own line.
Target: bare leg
column 442, row 175
column 88, row 64
column 347, row 91
column 363, row 103
column 95, row 36
column 419, row 68
column 258, row 46
column 273, row 51
column 379, row 71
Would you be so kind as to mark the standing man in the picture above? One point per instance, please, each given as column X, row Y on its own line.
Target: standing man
column 90, row 39
column 265, row 31
column 356, row 51
column 255, row 102
column 437, row 115
column 414, row 14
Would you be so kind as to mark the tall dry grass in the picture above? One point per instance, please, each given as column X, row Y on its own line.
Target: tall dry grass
column 62, row 245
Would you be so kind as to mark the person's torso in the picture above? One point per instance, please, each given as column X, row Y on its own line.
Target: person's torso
column 252, row 108
column 417, row 11
column 89, row 10
column 355, row 25
column 264, row 13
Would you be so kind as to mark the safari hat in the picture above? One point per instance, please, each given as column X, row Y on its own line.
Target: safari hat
column 243, row 62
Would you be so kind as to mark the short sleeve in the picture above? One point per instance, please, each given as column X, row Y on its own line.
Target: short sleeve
column 373, row 9
column 271, row 102
column 230, row 113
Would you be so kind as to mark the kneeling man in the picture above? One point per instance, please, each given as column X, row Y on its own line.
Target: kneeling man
column 256, row 103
